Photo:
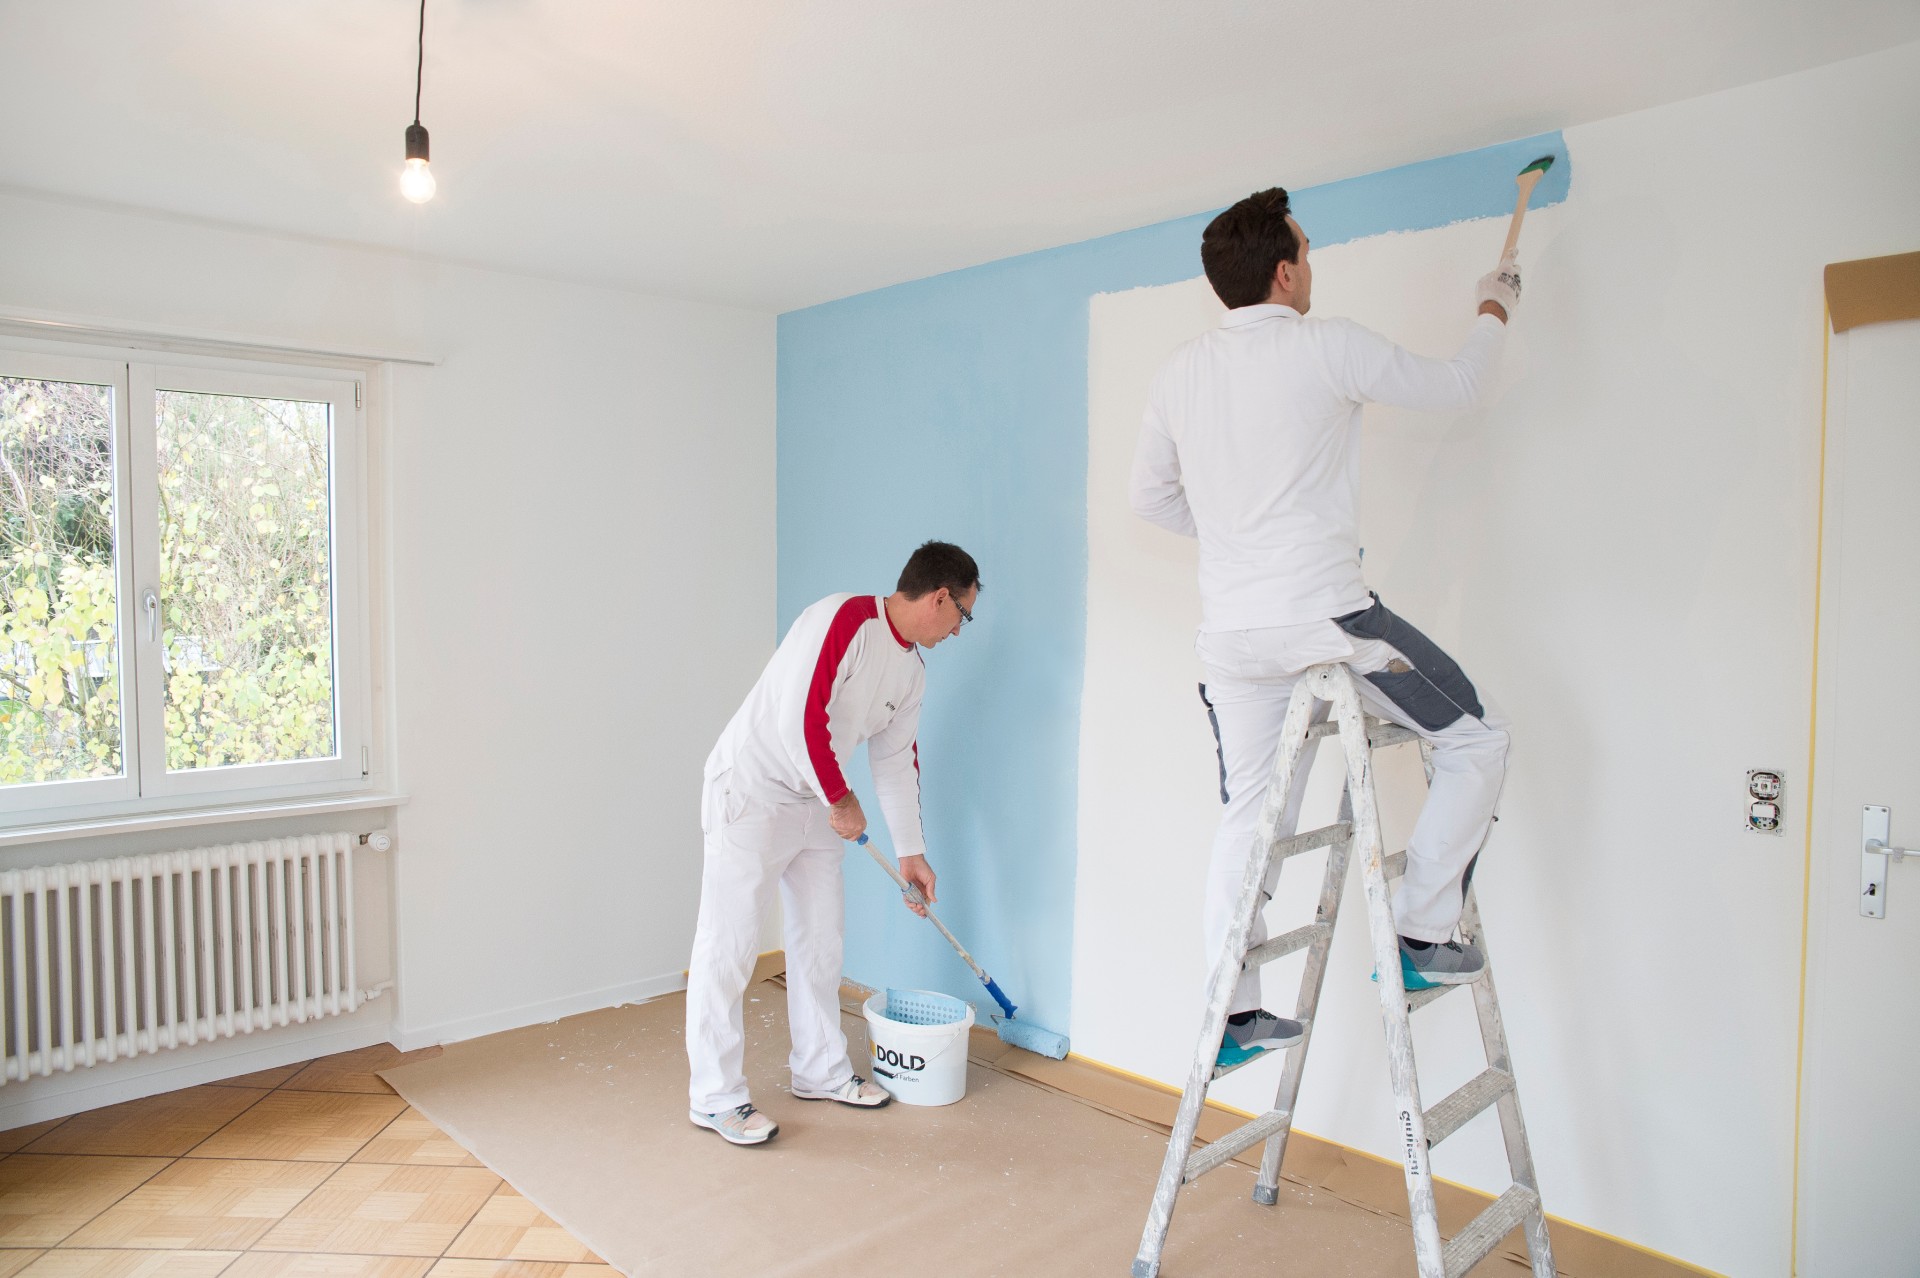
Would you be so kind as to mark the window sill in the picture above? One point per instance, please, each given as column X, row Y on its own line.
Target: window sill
column 196, row 816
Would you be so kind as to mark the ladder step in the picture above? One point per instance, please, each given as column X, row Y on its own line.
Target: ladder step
column 1380, row 733
column 1325, row 836
column 1395, row 864
column 1292, row 943
column 1474, row 1243
column 1451, row 1114
column 1417, row 999
column 1221, row 1071
column 1246, row 1136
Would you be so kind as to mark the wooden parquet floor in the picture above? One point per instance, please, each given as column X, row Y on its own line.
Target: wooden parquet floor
column 309, row 1171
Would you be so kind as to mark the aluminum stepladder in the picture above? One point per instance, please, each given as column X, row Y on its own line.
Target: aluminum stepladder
column 1420, row 1128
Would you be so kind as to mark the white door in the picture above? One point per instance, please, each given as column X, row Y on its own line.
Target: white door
column 1860, row 1114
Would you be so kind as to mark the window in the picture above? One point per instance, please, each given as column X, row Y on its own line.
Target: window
column 182, row 614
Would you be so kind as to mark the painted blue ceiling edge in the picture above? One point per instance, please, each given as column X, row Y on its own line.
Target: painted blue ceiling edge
column 1412, row 197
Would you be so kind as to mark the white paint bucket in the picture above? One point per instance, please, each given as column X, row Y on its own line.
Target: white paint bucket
column 919, row 1045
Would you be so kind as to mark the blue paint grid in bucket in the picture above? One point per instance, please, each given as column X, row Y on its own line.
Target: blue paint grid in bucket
column 923, row 1007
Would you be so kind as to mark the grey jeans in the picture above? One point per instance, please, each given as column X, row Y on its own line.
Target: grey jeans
column 1406, row 679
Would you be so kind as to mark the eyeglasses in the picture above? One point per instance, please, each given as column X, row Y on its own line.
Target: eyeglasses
column 965, row 616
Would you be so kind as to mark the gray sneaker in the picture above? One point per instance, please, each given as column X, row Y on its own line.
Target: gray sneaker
column 742, row 1125
column 1448, row 963
column 1265, row 1032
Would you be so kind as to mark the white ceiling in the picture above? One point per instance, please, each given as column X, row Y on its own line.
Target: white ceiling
column 776, row 153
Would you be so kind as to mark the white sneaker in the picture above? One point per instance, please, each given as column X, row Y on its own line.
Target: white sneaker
column 855, row 1091
column 742, row 1125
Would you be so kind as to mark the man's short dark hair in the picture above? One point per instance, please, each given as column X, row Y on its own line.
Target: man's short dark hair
column 1243, row 247
column 937, row 564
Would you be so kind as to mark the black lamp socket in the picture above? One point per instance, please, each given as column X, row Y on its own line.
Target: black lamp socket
column 416, row 141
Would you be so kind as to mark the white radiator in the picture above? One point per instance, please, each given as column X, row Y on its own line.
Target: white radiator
column 134, row 954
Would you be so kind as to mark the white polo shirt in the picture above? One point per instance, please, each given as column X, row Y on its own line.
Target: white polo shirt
column 842, row 675
column 1251, row 443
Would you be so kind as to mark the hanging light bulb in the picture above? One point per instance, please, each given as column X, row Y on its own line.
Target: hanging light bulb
column 416, row 179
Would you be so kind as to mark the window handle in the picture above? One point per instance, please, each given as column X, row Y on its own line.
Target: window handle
column 152, row 604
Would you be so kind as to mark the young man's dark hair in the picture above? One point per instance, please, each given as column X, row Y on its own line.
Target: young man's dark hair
column 937, row 564
column 1243, row 247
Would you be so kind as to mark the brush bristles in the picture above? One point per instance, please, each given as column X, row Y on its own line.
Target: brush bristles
column 1540, row 165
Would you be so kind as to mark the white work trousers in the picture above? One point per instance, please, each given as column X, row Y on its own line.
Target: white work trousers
column 757, row 846
column 1250, row 679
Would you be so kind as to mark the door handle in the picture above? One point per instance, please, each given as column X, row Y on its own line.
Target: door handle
column 1876, row 853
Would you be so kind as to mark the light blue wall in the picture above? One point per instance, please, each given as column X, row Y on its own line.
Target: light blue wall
column 956, row 407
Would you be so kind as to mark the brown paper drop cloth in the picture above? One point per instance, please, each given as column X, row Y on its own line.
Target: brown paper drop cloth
column 587, row 1117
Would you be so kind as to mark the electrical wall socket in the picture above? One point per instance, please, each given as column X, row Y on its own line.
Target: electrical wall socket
column 1766, row 788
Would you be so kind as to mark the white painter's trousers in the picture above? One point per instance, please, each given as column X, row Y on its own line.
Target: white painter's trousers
column 1250, row 679
column 755, row 847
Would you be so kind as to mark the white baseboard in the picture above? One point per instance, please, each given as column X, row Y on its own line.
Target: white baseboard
column 40, row 1099
column 37, row 1100
column 412, row 1038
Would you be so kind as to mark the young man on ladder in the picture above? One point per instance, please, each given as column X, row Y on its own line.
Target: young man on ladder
column 1251, row 444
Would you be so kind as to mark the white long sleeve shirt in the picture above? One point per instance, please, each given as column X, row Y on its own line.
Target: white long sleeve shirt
column 1251, row 443
column 841, row 676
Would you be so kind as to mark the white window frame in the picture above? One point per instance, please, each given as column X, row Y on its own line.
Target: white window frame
column 146, row 785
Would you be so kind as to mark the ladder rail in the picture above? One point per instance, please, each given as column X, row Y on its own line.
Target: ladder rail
column 1226, row 974
column 1513, row 1128
column 1266, row 1186
column 1336, row 685
column 1493, row 1043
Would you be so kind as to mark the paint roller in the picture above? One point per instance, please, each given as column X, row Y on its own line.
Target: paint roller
column 1022, row 1034
column 1525, row 180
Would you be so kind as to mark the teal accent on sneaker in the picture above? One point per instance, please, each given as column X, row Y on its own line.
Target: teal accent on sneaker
column 1410, row 978
column 1231, row 1053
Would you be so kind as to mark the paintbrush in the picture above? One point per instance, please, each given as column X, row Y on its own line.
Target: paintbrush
column 1527, row 179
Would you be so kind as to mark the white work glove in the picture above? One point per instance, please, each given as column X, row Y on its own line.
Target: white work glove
column 1501, row 286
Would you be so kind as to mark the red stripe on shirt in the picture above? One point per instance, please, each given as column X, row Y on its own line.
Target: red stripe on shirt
column 897, row 637
column 853, row 614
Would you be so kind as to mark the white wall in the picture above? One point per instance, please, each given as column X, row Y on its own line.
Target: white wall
column 1621, row 551
column 584, row 532
column 578, row 503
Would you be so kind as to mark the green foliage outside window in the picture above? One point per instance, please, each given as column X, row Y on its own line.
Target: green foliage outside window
column 246, row 624
column 244, row 557
column 59, row 671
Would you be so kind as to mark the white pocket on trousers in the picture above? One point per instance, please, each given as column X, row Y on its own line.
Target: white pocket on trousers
column 720, row 804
